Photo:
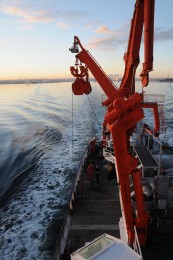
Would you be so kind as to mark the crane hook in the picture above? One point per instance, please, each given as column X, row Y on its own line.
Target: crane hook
column 75, row 71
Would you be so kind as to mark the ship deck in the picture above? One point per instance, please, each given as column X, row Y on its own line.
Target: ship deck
column 96, row 208
column 145, row 156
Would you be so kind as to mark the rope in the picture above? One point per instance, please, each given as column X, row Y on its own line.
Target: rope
column 94, row 112
column 72, row 127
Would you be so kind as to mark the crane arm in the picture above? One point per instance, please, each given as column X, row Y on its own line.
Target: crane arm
column 121, row 118
column 143, row 16
column 124, row 109
column 104, row 81
column 108, row 87
column 148, row 40
column 131, row 56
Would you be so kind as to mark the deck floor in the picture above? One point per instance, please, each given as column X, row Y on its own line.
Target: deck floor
column 96, row 207
column 145, row 156
column 96, row 210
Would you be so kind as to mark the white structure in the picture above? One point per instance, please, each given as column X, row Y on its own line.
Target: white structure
column 106, row 247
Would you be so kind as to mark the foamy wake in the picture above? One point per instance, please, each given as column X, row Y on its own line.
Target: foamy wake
column 29, row 221
column 39, row 202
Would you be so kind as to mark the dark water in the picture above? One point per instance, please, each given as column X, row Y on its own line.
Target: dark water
column 38, row 159
column 38, row 162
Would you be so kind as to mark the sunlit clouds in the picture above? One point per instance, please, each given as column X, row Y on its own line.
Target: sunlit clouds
column 163, row 34
column 33, row 17
column 35, row 35
column 42, row 12
column 62, row 25
column 103, row 30
column 109, row 39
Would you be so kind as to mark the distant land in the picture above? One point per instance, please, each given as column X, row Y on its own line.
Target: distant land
column 34, row 81
column 166, row 80
column 37, row 81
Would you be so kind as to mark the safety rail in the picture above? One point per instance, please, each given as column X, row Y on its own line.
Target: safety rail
column 159, row 98
column 159, row 145
column 136, row 246
column 72, row 195
column 102, row 70
column 61, row 241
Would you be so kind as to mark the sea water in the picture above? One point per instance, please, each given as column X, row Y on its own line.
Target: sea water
column 44, row 131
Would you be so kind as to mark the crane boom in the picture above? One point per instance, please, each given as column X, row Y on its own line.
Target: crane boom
column 148, row 40
column 131, row 56
column 124, row 110
column 143, row 17
column 107, row 85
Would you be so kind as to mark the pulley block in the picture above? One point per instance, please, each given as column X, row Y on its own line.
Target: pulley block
column 80, row 87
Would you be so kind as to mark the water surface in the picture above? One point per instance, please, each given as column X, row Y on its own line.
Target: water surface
column 43, row 132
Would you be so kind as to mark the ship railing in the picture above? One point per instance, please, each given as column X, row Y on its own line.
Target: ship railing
column 135, row 138
column 159, row 143
column 103, row 71
column 158, row 98
column 136, row 246
column 76, row 181
column 61, row 241
column 60, row 244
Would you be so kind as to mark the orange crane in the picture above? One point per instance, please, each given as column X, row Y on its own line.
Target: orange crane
column 124, row 110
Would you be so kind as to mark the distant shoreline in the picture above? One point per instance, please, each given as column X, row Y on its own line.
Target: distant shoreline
column 166, row 80
column 37, row 81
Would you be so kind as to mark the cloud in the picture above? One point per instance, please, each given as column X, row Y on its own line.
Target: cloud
column 112, row 40
column 93, row 23
column 163, row 34
column 103, row 30
column 62, row 25
column 42, row 12
column 74, row 14
column 33, row 17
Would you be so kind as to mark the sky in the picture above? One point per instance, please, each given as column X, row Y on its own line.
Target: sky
column 35, row 36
